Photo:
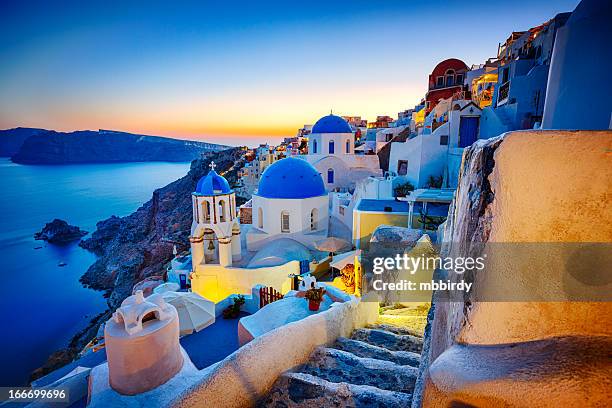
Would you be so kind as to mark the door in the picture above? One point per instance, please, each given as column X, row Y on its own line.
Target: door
column 468, row 130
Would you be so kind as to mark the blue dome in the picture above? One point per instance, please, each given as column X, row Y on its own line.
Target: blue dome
column 331, row 124
column 212, row 184
column 291, row 178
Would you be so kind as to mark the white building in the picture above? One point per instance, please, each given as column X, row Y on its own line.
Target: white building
column 331, row 150
column 437, row 154
column 215, row 231
column 291, row 202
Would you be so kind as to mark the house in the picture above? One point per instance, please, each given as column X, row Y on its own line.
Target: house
column 522, row 76
column 445, row 80
column 436, row 155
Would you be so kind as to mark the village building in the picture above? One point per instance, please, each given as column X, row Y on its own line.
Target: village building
column 331, row 150
column 445, row 80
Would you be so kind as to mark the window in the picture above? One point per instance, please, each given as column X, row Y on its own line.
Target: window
column 222, row 215
column 330, row 176
column 450, row 77
column 206, row 211
column 459, row 79
column 285, row 221
column 402, row 167
column 314, row 219
column 440, row 81
column 314, row 146
column 443, row 140
column 260, row 217
column 505, row 75
column 331, row 147
column 348, row 146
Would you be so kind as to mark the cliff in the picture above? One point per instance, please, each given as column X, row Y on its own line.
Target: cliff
column 140, row 245
column 12, row 139
column 103, row 146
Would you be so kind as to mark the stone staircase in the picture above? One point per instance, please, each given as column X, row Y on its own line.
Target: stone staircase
column 376, row 367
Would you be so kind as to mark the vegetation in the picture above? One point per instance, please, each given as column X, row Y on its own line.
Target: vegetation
column 233, row 311
column 435, row 181
column 402, row 190
column 315, row 294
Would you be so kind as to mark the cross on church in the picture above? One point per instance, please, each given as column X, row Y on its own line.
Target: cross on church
column 212, row 165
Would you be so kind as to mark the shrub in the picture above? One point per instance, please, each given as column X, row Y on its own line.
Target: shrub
column 402, row 190
column 233, row 311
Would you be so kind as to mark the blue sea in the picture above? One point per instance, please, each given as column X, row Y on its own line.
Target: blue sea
column 42, row 304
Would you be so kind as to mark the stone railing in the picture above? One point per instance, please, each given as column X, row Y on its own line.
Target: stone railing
column 245, row 376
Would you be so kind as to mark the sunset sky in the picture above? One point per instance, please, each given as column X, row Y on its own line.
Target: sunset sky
column 236, row 72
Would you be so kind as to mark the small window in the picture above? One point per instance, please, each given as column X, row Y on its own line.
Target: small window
column 222, row 215
column 314, row 219
column 440, row 81
column 206, row 211
column 443, row 140
column 260, row 217
column 402, row 167
column 285, row 221
column 330, row 176
column 449, row 80
column 459, row 79
column 314, row 146
column 331, row 147
column 348, row 146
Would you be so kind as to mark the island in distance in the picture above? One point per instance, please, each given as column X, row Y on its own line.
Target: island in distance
column 40, row 146
column 59, row 232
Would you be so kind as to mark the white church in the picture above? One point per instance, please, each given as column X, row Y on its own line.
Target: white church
column 290, row 214
column 331, row 150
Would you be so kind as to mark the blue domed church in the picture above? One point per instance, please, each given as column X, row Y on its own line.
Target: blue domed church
column 331, row 150
column 290, row 202
column 215, row 230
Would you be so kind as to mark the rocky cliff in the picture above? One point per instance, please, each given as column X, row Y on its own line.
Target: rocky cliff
column 103, row 146
column 133, row 248
column 139, row 246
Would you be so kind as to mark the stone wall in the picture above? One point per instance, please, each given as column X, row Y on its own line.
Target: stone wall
column 525, row 187
column 244, row 377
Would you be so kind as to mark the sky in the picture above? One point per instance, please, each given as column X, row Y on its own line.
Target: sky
column 236, row 72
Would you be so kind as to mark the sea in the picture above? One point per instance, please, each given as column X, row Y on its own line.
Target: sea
column 42, row 304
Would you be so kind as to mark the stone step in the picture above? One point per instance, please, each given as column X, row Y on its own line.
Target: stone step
column 388, row 340
column 305, row 390
column 340, row 366
column 366, row 350
column 395, row 329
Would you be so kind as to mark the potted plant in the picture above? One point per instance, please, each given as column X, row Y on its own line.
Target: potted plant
column 233, row 311
column 315, row 297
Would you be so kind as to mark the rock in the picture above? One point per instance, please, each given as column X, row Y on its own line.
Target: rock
column 388, row 340
column 133, row 248
column 340, row 366
column 59, row 231
column 366, row 350
column 304, row 390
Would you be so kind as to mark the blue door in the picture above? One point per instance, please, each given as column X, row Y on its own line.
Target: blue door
column 468, row 131
column 330, row 176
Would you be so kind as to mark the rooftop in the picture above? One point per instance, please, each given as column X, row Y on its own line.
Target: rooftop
column 392, row 206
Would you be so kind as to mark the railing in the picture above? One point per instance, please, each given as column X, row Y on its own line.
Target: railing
column 268, row 295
